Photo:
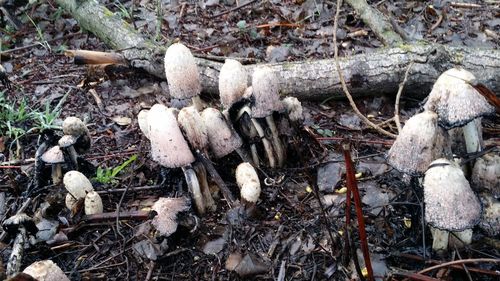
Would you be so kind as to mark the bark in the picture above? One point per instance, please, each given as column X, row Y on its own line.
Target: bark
column 375, row 73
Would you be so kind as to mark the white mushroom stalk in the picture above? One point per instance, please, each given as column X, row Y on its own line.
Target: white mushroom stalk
column 170, row 149
column 54, row 156
column 20, row 225
column 182, row 74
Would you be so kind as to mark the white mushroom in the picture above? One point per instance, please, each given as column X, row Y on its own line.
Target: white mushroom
column 77, row 185
column 55, row 158
column 233, row 82
column 248, row 181
column 142, row 119
column 93, row 203
column 45, row 270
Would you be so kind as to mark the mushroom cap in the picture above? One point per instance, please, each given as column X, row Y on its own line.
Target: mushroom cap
column 70, row 201
column 45, row 270
column 67, row 141
column 53, row 155
column 193, row 127
column 168, row 146
column 248, row 181
column 293, row 108
column 265, row 88
column 167, row 209
column 450, row 203
column 142, row 119
column 420, row 142
column 490, row 222
column 233, row 80
column 12, row 224
column 181, row 72
column 221, row 137
column 455, row 100
column 77, row 184
column 486, row 173
column 74, row 126
column 93, row 203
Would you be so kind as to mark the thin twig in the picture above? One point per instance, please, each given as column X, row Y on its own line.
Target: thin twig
column 342, row 80
column 459, row 262
column 233, row 9
column 398, row 96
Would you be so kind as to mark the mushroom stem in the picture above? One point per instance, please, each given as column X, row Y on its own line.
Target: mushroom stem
column 197, row 103
column 56, row 173
column 472, row 138
column 16, row 256
column 439, row 239
column 255, row 154
column 201, row 174
column 276, row 140
column 194, row 189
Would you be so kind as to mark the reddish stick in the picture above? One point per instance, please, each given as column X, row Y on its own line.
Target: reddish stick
column 353, row 187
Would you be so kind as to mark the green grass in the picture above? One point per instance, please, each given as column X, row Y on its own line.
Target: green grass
column 108, row 175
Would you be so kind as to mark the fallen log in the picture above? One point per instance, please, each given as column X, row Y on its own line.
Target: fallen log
column 374, row 73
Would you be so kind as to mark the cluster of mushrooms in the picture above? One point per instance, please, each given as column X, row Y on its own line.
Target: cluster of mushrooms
column 430, row 145
column 184, row 138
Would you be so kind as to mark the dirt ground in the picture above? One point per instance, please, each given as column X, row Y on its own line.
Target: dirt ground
column 296, row 231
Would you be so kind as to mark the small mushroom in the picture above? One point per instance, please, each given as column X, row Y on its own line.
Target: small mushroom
column 490, row 222
column 77, row 185
column 54, row 156
column 93, row 203
column 420, row 142
column 67, row 142
column 20, row 225
column 450, row 203
column 233, row 82
column 170, row 149
column 294, row 109
column 45, row 270
column 182, row 74
column 167, row 209
column 486, row 174
column 249, row 184
column 142, row 119
column 457, row 104
column 76, row 138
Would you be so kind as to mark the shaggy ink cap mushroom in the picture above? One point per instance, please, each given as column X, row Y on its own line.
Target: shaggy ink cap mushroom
column 53, row 155
column 222, row 138
column 45, row 270
column 168, row 146
column 67, row 141
column 455, row 100
column 233, row 82
column 248, row 181
column 265, row 92
column 142, row 119
column 450, row 203
column 194, row 128
column 74, row 126
column 93, row 203
column 294, row 109
column 420, row 142
column 77, row 184
column 486, row 174
column 12, row 224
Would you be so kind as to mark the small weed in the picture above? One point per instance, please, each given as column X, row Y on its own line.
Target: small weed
column 122, row 10
column 108, row 175
column 40, row 35
column 323, row 132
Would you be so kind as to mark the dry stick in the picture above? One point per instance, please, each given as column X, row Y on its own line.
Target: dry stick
column 342, row 80
column 458, row 262
column 218, row 179
column 398, row 96
column 352, row 185
column 233, row 9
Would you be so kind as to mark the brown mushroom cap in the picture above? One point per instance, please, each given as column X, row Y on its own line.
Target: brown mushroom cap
column 168, row 146
column 77, row 184
column 265, row 88
column 221, row 137
column 167, row 209
column 74, row 126
column 233, row 82
column 193, row 127
column 420, row 142
column 181, row 72
column 45, row 270
column 248, row 181
column 486, row 173
column 53, row 155
column 455, row 100
column 450, row 203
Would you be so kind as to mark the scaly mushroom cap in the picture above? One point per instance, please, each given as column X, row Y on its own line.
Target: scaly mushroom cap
column 265, row 89
column 293, row 108
column 193, row 127
column 77, row 184
column 486, row 173
column 420, row 142
column 67, row 141
column 53, row 156
column 248, row 181
column 221, row 137
column 167, row 209
column 455, row 100
column 450, row 203
column 182, row 72
column 233, row 82
column 490, row 222
column 142, row 119
column 168, row 146
column 93, row 203
column 74, row 126
column 45, row 270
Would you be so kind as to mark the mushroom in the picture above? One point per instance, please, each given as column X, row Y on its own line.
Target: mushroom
column 490, row 222
column 66, row 143
column 420, row 142
column 294, row 109
column 170, row 149
column 77, row 185
column 249, row 184
column 182, row 74
column 76, row 138
column 20, row 225
column 486, row 174
column 93, row 203
column 142, row 119
column 54, row 156
column 457, row 104
column 450, row 203
column 45, row 270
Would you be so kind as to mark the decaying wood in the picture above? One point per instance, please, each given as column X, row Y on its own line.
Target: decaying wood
column 366, row 74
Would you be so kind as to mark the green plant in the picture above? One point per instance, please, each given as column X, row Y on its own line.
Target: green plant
column 40, row 35
column 108, row 175
column 122, row 10
column 323, row 132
